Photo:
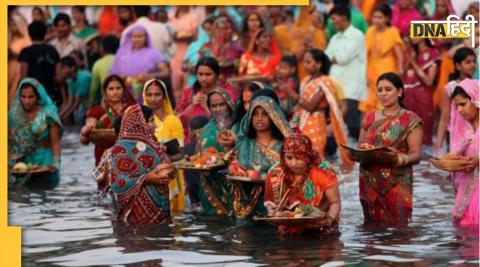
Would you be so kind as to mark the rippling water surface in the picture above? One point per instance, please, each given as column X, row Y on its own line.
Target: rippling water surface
column 71, row 226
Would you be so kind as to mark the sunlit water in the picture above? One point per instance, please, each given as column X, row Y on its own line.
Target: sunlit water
column 71, row 226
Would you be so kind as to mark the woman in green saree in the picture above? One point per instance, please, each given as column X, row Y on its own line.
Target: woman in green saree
column 34, row 129
column 260, row 138
column 215, row 194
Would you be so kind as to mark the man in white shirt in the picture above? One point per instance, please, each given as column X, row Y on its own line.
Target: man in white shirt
column 159, row 34
column 66, row 42
column 347, row 53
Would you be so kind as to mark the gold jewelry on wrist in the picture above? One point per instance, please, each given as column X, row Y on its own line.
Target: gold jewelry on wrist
column 402, row 159
column 405, row 159
column 399, row 160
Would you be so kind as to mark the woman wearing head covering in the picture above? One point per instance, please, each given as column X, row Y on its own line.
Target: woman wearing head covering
column 464, row 60
column 262, row 56
column 222, row 47
column 169, row 127
column 34, row 131
column 465, row 138
column 300, row 180
column 140, row 173
column 262, row 132
column 116, row 99
column 137, row 61
column 214, row 190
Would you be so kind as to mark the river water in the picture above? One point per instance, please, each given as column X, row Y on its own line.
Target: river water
column 71, row 226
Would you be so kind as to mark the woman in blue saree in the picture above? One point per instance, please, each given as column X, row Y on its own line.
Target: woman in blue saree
column 215, row 194
column 34, row 130
column 260, row 138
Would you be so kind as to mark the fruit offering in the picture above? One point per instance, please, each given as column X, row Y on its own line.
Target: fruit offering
column 206, row 158
column 237, row 169
column 366, row 146
column 301, row 211
column 21, row 167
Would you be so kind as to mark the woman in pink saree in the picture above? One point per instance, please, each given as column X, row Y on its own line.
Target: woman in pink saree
column 465, row 141
column 404, row 11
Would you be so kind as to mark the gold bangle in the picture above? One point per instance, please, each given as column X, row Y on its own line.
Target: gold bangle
column 399, row 160
column 405, row 159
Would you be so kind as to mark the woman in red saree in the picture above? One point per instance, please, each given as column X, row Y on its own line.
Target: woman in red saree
column 262, row 57
column 419, row 78
column 386, row 179
column 301, row 180
column 116, row 98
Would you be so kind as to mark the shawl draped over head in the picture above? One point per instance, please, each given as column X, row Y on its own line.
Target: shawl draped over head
column 167, row 105
column 461, row 130
column 301, row 146
column 225, row 95
column 273, row 110
column 21, row 131
column 133, row 156
column 130, row 62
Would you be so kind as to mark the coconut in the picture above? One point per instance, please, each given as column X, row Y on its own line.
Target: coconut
column 20, row 167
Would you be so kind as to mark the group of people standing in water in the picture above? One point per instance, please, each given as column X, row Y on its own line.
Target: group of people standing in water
column 145, row 188
column 289, row 131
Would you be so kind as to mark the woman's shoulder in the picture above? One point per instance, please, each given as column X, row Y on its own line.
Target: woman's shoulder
column 369, row 118
column 172, row 118
column 323, row 176
column 410, row 115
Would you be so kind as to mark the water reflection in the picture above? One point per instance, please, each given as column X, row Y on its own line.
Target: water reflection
column 71, row 226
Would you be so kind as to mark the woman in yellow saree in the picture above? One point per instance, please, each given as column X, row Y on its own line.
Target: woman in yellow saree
column 384, row 53
column 169, row 127
column 305, row 33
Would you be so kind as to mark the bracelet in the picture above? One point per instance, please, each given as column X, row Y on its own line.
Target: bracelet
column 402, row 159
column 399, row 160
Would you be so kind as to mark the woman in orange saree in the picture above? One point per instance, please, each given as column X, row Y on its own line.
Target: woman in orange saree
column 262, row 57
column 317, row 95
column 300, row 180
column 305, row 33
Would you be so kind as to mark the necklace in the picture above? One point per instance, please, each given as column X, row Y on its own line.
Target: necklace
column 268, row 143
column 389, row 116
